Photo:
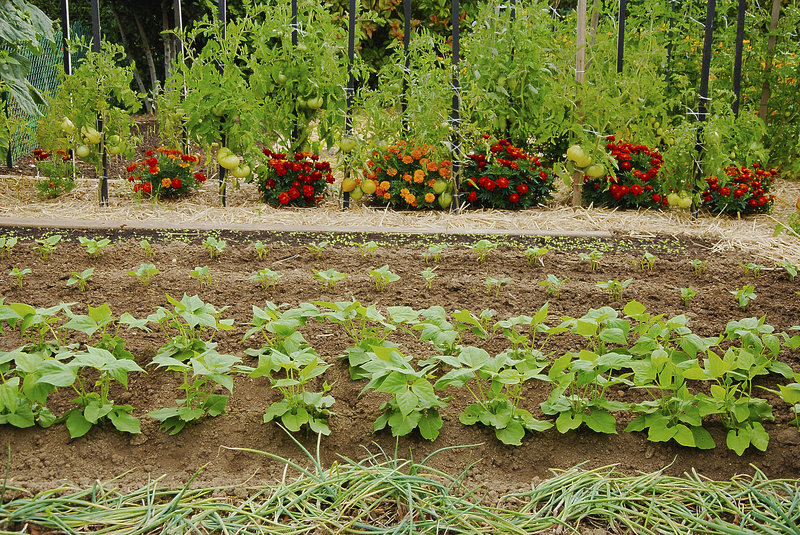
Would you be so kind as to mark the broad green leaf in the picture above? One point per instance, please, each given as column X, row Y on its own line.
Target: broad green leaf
column 275, row 410
column 472, row 414
column 737, row 440
column 402, row 425
column 406, row 401
column 77, row 425
column 601, row 421
column 634, row 308
column 295, row 420
column 567, row 421
column 430, row 424
column 759, row 436
column 317, row 425
column 614, row 336
column 215, row 404
column 660, row 430
column 512, row 434
column 124, row 421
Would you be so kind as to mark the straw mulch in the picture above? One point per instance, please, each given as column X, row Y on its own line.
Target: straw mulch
column 754, row 234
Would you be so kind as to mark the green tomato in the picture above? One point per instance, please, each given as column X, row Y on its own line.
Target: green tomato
column 347, row 144
column 575, row 152
column 242, row 171
column 595, row 171
column 67, row 126
column 439, row 186
column 315, row 103
column 585, row 161
column 445, row 200
column 684, row 202
column 356, row 194
column 91, row 135
column 82, row 151
column 281, row 79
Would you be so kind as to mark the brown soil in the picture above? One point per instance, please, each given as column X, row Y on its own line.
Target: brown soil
column 41, row 458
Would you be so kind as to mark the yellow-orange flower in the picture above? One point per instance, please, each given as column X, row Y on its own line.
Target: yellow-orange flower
column 407, row 159
column 406, row 177
column 404, row 192
column 430, row 197
column 410, row 199
column 417, row 154
column 166, row 182
column 387, row 196
column 433, row 166
column 385, row 185
column 444, row 172
column 379, row 192
column 419, row 176
column 391, row 171
column 431, row 182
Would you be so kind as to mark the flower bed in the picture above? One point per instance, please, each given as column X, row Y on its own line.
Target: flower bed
column 165, row 173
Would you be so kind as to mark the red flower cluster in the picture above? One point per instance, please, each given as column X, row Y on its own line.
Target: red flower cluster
column 56, row 172
column 167, row 173
column 744, row 190
column 501, row 175
column 635, row 185
column 299, row 181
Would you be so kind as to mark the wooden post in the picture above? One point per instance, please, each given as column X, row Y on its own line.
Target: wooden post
column 773, row 39
column 580, row 66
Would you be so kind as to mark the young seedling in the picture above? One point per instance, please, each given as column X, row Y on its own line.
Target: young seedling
column 495, row 284
column 266, row 278
column 7, row 244
column 593, row 258
column 687, row 294
column 261, row 249
column 553, row 285
column 202, row 275
column 318, row 248
column 648, row 261
column 81, row 279
column 791, row 269
column 744, row 295
column 368, row 248
column 755, row 268
column 482, row 249
column 144, row 272
column 699, row 266
column 615, row 288
column 147, row 248
column 435, row 252
column 94, row 247
column 329, row 278
column 383, row 276
column 536, row 254
column 47, row 246
column 20, row 275
column 214, row 246
column 428, row 274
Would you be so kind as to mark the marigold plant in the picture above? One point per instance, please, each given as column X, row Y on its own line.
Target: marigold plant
column 166, row 173
column 634, row 185
column 297, row 181
column 56, row 173
column 500, row 175
column 409, row 177
column 744, row 190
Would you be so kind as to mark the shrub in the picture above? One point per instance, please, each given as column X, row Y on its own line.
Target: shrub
column 57, row 173
column 634, row 185
column 299, row 181
column 744, row 190
column 165, row 173
column 501, row 175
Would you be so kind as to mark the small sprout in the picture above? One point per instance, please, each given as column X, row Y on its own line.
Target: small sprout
column 648, row 261
column 553, row 285
column 368, row 248
column 791, row 269
column 482, row 249
column 7, row 244
column 755, row 268
column 329, row 278
column 687, row 294
column 615, row 288
column 536, row 254
column 143, row 273
column 383, row 276
column 94, row 247
column 47, row 246
column 202, row 275
column 20, row 275
column 81, row 279
column 593, row 258
column 318, row 248
column 495, row 284
column 147, row 248
column 744, row 295
column 266, row 278
column 261, row 249
column 435, row 252
column 214, row 246
column 428, row 274
column 699, row 266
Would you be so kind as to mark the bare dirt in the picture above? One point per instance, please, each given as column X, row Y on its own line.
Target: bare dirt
column 42, row 458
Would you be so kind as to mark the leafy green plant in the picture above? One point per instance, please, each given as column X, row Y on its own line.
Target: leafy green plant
column 318, row 248
column 744, row 295
column 383, row 276
column 266, row 278
column 648, row 261
column 536, row 254
column 147, row 248
column 428, row 274
column 45, row 247
column 687, row 294
column 214, row 246
column 39, row 326
column 553, row 285
column 188, row 325
column 7, row 244
column 144, row 273
column 482, row 248
column 329, row 278
column 81, row 279
column 790, row 268
column 261, row 249
column 100, row 323
column 790, row 393
column 94, row 248
column 615, row 288
column 434, row 252
column 493, row 283
column 203, row 276
column 368, row 248
column 699, row 266
column 593, row 258
column 20, row 275
column 756, row 269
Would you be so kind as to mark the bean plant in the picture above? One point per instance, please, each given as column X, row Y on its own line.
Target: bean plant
column 144, row 273
column 94, row 248
column 383, row 276
column 428, row 274
column 7, row 244
column 214, row 246
column 45, row 247
column 482, row 248
column 536, row 254
column 593, row 258
column 266, row 278
column 20, row 275
column 80, row 278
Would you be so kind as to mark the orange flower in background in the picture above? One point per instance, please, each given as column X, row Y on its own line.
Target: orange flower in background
column 432, row 166
column 385, row 185
column 410, row 198
column 406, row 177
column 431, row 182
column 166, row 182
column 388, row 196
column 446, row 163
column 407, row 159
column 391, row 171
column 404, row 192
column 419, row 176
column 430, row 197
column 444, row 172
column 379, row 192
column 417, row 154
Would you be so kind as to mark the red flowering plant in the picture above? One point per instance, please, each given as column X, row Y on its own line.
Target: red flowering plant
column 56, row 172
column 408, row 176
column 744, row 190
column 165, row 173
column 297, row 181
column 634, row 185
column 500, row 175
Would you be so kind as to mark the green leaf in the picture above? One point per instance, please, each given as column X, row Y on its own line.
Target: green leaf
column 738, row 440
column 601, row 421
column 394, row 383
column 472, row 414
column 567, row 421
column 318, row 425
column 295, row 420
column 614, row 336
column 634, row 308
column 94, row 411
column 124, row 421
column 215, row 404
column 511, row 434
column 430, row 424
column 660, row 429
column 77, row 425
column 423, row 389
column 759, row 436
column 406, row 401
column 275, row 410
column 403, row 424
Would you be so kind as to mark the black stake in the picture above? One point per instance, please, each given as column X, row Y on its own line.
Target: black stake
column 704, row 73
column 222, row 14
column 350, row 91
column 176, row 5
column 294, row 44
column 454, row 112
column 737, row 63
column 406, row 63
column 623, row 8
column 96, row 47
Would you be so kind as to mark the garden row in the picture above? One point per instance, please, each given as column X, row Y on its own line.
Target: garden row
column 686, row 380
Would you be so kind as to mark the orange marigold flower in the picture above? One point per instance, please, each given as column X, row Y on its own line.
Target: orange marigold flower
column 406, row 177
column 407, row 159
column 430, row 197
column 387, row 196
column 433, row 166
column 379, row 192
column 404, row 192
column 370, row 163
column 431, row 182
column 391, row 171
column 444, row 172
column 166, row 182
column 419, row 176
column 411, row 199
column 385, row 185
column 446, row 163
